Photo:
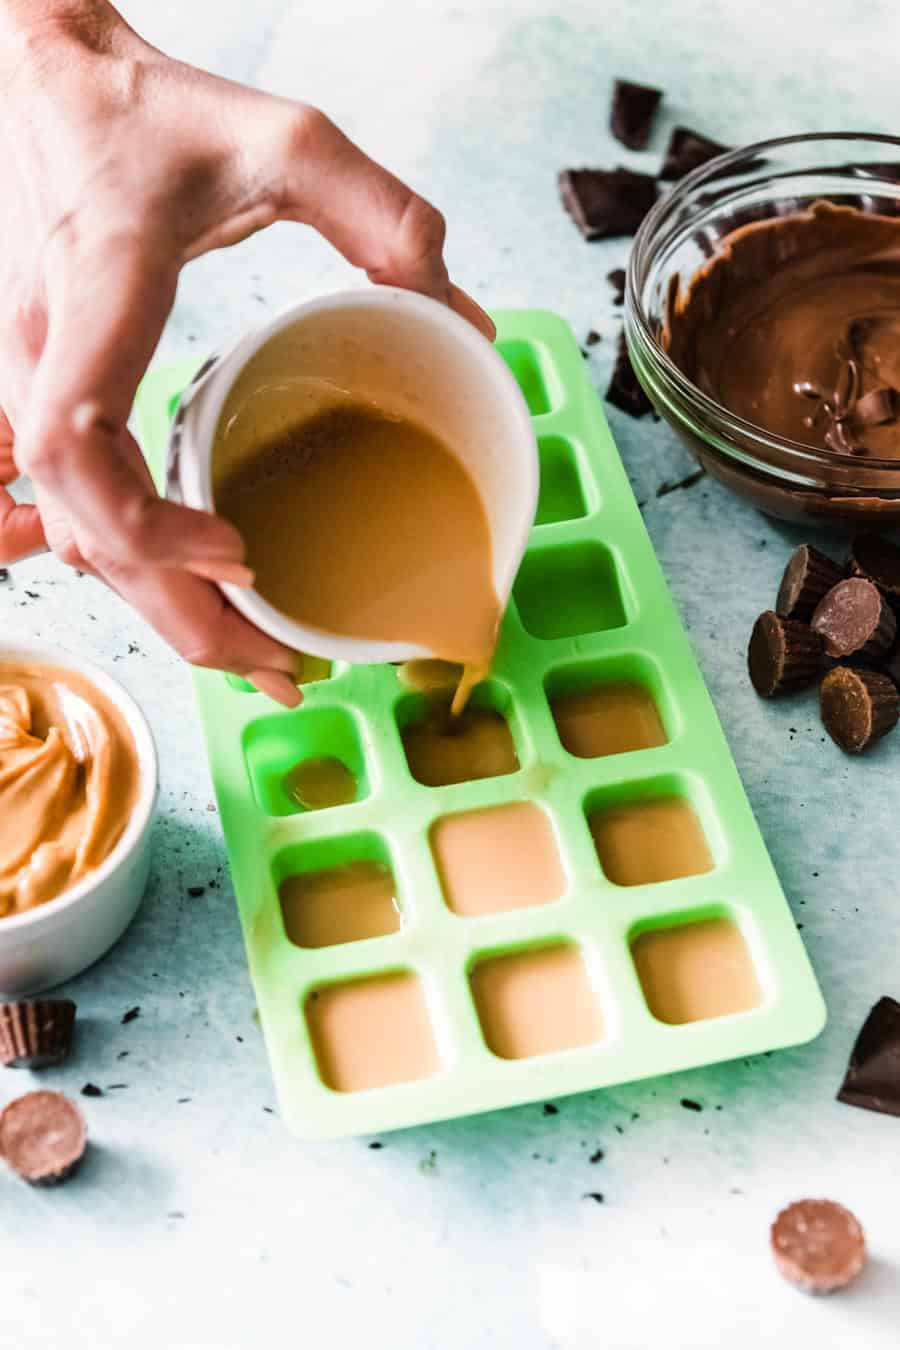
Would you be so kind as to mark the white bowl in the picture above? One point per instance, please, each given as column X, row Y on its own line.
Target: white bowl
column 59, row 939
column 413, row 357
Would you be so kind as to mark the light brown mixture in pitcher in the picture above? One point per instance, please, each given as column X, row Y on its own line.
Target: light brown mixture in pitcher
column 68, row 782
column 366, row 525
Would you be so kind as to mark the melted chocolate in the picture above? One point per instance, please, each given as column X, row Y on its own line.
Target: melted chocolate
column 794, row 325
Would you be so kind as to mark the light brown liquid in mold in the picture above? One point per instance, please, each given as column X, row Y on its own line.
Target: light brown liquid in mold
column 610, row 719
column 340, row 904
column 536, row 1002
column 499, row 858
column 367, row 526
column 475, row 743
column 654, row 840
column 371, row 1033
column 696, row 971
column 319, row 782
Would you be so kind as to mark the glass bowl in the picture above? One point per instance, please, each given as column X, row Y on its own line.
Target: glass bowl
column 782, row 477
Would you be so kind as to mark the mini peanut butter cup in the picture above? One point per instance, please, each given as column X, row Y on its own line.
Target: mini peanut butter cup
column 808, row 578
column 858, row 707
column 35, row 1034
column 818, row 1245
column 783, row 655
column 43, row 1137
column 854, row 619
column 878, row 560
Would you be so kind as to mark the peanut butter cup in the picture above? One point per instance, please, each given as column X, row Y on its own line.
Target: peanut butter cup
column 34, row 1034
column 808, row 578
column 854, row 619
column 43, row 1137
column 783, row 655
column 858, row 707
column 818, row 1245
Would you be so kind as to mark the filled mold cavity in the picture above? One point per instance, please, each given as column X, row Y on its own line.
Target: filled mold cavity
column 648, row 832
column 498, row 858
column 372, row 1032
column 569, row 590
column 337, row 890
column 528, row 370
column 306, row 760
column 561, row 494
column 607, row 707
column 695, row 968
column 536, row 1001
column 441, row 750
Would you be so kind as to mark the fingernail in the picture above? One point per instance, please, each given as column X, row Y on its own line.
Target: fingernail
column 232, row 573
column 278, row 686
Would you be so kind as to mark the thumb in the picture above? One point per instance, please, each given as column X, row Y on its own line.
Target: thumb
column 107, row 304
column 21, row 531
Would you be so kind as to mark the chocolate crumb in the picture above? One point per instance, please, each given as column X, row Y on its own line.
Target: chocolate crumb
column 268, row 1110
column 690, row 1105
column 91, row 1090
column 683, row 483
column 597, row 1156
column 130, row 1016
column 115, row 1087
column 376, row 1144
column 593, row 1195
column 632, row 112
column 196, row 891
column 625, row 390
column 593, row 338
column 182, row 1101
column 4, row 574
column 550, row 1109
column 33, row 595
column 616, row 279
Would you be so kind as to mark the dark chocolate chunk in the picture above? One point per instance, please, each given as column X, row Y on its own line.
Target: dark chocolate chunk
column 854, row 619
column 43, row 1137
column 625, row 390
column 818, row 1245
column 872, row 1080
column 550, row 1109
column 593, row 338
column 34, row 1034
column 876, row 407
column 597, row 1156
column 808, row 577
column 616, row 279
column 131, row 1014
column 686, row 151
column 690, row 1105
column 632, row 112
column 91, row 1090
column 783, row 654
column 877, row 559
column 858, row 707
column 593, row 1195
column 4, row 574
column 606, row 202
column 196, row 891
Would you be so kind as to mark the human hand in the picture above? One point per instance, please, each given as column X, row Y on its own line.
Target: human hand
column 123, row 165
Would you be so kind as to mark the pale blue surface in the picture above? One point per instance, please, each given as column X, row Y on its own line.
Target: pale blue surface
column 203, row 1224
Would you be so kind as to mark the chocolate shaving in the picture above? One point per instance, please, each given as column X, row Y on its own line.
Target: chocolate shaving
column 593, row 338
column 686, row 151
column 687, row 482
column 625, row 390
column 606, row 202
column 616, row 279
column 632, row 112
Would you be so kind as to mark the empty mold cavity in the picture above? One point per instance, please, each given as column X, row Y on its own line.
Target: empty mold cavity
column 607, row 707
column 694, row 967
column 295, row 759
column 333, row 891
column 498, row 858
column 315, row 668
column 647, row 832
column 561, row 495
column 536, row 1001
column 525, row 364
column 372, row 1032
column 569, row 590
column 477, row 744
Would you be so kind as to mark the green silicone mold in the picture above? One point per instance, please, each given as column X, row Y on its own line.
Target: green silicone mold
column 590, row 606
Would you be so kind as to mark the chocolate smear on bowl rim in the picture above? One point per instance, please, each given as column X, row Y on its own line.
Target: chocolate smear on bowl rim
column 872, row 1080
column 854, row 619
column 43, row 1137
column 783, row 655
column 35, row 1033
column 632, row 112
column 808, row 577
column 605, row 203
column 858, row 707
column 818, row 1246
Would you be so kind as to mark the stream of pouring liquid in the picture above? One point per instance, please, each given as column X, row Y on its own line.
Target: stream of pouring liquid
column 366, row 525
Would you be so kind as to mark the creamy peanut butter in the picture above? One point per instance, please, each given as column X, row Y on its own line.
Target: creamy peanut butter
column 68, row 782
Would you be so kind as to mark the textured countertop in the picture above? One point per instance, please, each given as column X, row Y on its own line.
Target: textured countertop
column 197, row 1222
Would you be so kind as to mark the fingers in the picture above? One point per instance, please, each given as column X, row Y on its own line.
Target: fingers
column 368, row 214
column 107, row 307
column 21, row 532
